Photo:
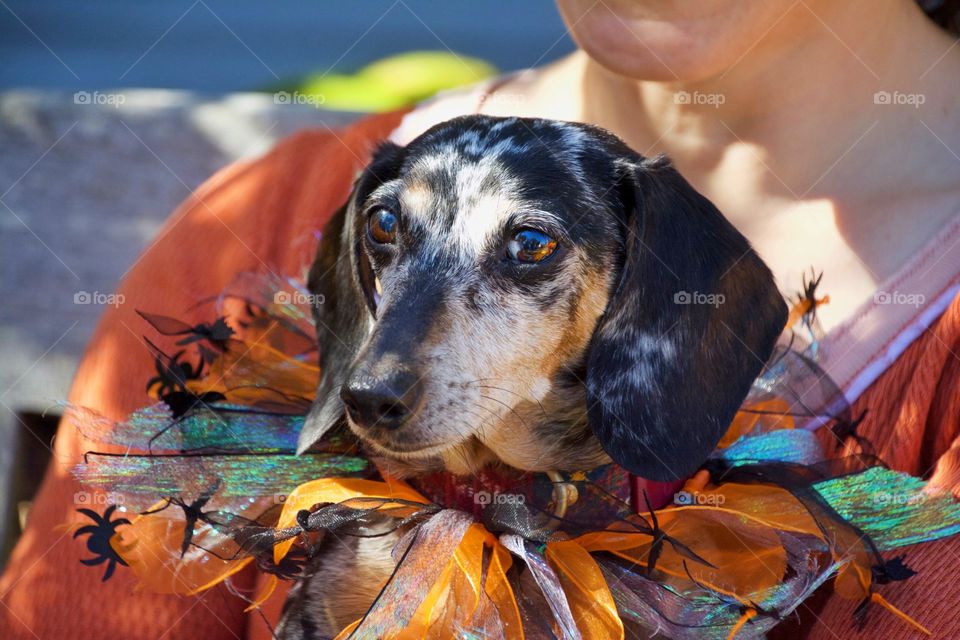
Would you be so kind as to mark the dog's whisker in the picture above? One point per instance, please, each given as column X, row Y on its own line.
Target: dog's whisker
column 481, row 426
column 522, row 397
column 460, row 450
column 509, row 408
column 465, row 457
column 488, row 410
column 494, row 416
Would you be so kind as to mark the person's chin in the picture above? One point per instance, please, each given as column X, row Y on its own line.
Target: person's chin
column 665, row 43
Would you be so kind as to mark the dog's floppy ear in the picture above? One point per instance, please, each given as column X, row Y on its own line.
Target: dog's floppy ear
column 342, row 283
column 689, row 324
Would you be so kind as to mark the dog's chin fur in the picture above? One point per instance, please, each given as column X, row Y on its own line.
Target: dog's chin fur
column 471, row 456
column 549, row 435
column 461, row 459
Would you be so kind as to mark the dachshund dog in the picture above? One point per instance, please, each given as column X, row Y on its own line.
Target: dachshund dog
column 529, row 293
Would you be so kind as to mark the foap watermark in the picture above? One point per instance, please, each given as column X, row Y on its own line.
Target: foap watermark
column 485, row 498
column 696, row 297
column 99, row 98
column 899, row 498
column 899, row 98
column 695, row 498
column 914, row 300
column 98, row 298
column 298, row 297
column 97, row 499
column 505, row 100
column 696, row 97
column 315, row 100
column 293, row 501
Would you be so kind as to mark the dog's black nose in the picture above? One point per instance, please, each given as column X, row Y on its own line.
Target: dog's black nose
column 382, row 401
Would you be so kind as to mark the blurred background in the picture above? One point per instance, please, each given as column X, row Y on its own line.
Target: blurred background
column 112, row 112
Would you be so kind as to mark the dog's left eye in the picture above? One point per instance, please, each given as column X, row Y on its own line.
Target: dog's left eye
column 382, row 227
column 530, row 245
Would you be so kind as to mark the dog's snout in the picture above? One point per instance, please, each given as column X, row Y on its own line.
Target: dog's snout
column 382, row 401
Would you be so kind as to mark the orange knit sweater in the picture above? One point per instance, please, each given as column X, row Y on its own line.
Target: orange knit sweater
column 263, row 215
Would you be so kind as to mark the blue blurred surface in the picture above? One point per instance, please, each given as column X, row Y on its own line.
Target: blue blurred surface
column 231, row 45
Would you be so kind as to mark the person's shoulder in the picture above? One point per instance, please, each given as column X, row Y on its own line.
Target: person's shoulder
column 348, row 140
column 293, row 162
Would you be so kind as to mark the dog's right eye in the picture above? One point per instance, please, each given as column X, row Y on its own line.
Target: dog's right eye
column 382, row 227
column 530, row 245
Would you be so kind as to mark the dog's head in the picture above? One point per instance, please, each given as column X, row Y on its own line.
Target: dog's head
column 535, row 293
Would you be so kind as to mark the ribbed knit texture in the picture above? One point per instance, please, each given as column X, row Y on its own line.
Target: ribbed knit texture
column 913, row 421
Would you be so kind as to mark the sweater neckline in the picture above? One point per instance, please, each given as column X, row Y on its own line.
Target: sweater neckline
column 860, row 348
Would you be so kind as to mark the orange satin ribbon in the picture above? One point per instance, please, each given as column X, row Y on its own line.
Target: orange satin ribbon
column 473, row 586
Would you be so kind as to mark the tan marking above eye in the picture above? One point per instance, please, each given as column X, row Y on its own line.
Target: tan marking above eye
column 416, row 196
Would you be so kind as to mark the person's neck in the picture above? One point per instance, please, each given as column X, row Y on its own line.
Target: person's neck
column 796, row 108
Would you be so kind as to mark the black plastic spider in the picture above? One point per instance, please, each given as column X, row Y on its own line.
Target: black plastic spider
column 659, row 537
column 172, row 374
column 216, row 333
column 192, row 513
column 807, row 299
column 845, row 427
column 99, row 541
column 171, row 382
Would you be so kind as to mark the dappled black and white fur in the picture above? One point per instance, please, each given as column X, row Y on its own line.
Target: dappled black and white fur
column 634, row 339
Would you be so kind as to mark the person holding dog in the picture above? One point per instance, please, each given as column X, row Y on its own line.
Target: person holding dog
column 826, row 132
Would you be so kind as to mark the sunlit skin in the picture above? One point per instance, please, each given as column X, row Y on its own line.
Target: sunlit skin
column 781, row 131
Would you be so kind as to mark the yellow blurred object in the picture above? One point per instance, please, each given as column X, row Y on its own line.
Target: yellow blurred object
column 397, row 81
